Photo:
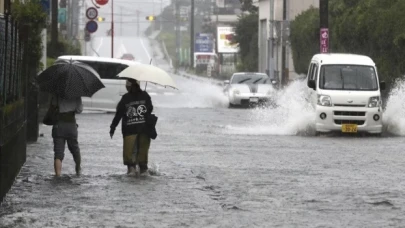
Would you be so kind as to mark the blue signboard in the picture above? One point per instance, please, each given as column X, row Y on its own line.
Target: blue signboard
column 62, row 15
column 203, row 42
column 45, row 6
column 91, row 26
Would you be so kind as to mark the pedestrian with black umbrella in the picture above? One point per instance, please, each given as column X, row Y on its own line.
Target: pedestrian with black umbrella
column 67, row 81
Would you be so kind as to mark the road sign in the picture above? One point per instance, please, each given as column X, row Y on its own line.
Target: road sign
column 91, row 26
column 62, row 15
column 91, row 13
column 324, row 40
column 101, row 2
column 203, row 42
column 46, row 5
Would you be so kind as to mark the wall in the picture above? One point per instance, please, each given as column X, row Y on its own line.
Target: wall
column 295, row 8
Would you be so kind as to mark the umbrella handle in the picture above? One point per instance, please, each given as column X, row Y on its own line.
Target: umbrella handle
column 146, row 84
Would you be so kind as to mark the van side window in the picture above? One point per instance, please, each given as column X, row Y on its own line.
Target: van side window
column 315, row 73
column 312, row 72
column 107, row 70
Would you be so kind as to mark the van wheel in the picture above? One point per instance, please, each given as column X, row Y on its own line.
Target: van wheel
column 317, row 133
column 231, row 105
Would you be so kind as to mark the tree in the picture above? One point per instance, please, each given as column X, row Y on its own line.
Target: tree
column 370, row 27
column 32, row 20
column 247, row 6
column 246, row 35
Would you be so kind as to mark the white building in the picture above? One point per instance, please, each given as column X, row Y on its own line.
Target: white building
column 294, row 7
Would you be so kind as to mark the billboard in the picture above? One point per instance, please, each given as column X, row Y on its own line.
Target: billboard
column 203, row 42
column 224, row 40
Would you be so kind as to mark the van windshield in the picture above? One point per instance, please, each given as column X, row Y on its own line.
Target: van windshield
column 348, row 77
column 250, row 79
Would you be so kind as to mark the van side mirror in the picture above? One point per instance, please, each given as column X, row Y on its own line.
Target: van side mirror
column 382, row 85
column 226, row 82
column 312, row 84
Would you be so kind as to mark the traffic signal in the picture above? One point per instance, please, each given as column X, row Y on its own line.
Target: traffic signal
column 100, row 19
column 150, row 18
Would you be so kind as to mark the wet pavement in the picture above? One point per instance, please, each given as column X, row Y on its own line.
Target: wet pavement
column 209, row 170
column 212, row 166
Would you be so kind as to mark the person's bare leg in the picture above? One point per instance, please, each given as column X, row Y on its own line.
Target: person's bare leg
column 58, row 167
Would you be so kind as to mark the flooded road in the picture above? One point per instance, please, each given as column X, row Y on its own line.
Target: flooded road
column 210, row 168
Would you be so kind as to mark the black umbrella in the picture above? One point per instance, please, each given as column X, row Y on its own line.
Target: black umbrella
column 70, row 79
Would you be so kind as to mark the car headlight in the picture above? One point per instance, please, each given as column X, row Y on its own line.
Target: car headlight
column 236, row 92
column 324, row 100
column 373, row 102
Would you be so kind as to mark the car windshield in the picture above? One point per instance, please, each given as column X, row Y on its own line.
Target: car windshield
column 250, row 79
column 348, row 77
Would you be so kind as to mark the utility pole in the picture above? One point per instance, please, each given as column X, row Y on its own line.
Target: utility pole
column 120, row 20
column 324, row 26
column 112, row 29
column 192, row 34
column 54, row 26
column 283, row 48
column 177, row 36
column 287, row 41
column 270, row 51
column 137, row 23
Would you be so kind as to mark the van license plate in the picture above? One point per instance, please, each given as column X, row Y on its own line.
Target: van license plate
column 349, row 128
column 254, row 99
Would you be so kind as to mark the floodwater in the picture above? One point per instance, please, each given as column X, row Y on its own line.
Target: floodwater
column 217, row 167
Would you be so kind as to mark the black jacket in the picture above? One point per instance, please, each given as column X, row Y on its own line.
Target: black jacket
column 133, row 109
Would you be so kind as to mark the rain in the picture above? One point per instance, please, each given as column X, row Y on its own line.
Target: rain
column 214, row 164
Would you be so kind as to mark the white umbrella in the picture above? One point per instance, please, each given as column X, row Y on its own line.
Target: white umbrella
column 148, row 73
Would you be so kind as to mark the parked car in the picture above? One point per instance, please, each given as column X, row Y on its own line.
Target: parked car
column 107, row 98
column 128, row 56
column 250, row 88
column 345, row 91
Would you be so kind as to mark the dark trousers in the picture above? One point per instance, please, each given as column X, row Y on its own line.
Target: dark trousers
column 62, row 133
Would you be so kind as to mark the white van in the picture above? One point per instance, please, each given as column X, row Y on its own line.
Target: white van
column 345, row 91
column 107, row 98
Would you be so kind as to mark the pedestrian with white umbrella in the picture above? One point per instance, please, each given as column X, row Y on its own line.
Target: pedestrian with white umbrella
column 67, row 81
column 135, row 109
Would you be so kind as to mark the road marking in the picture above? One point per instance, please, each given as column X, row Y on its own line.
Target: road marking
column 144, row 48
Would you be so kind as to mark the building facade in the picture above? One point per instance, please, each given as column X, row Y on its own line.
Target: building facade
column 293, row 8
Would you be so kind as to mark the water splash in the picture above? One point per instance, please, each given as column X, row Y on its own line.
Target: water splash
column 293, row 115
column 394, row 114
column 193, row 94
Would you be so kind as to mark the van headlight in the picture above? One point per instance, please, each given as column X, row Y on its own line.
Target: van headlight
column 236, row 92
column 373, row 102
column 324, row 100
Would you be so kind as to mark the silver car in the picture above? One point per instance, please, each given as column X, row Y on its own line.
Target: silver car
column 246, row 89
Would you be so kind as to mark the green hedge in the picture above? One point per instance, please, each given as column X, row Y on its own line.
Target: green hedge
column 371, row 27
